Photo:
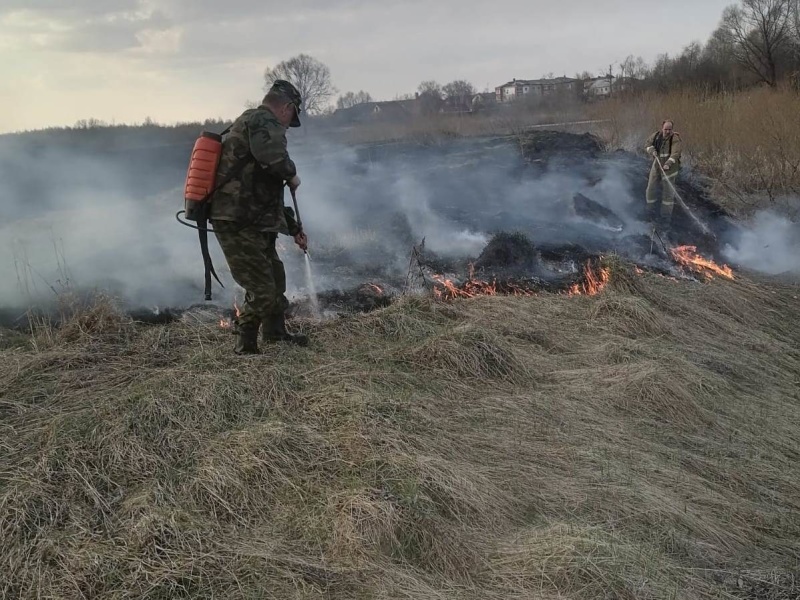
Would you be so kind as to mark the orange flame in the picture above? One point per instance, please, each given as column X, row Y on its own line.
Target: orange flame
column 470, row 289
column 687, row 256
column 228, row 323
column 377, row 288
column 596, row 280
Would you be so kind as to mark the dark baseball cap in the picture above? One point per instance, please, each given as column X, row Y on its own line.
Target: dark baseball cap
column 286, row 89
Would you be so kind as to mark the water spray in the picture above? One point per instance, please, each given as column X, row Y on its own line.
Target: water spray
column 312, row 291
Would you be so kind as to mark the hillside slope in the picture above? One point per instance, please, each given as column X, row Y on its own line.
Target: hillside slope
column 642, row 443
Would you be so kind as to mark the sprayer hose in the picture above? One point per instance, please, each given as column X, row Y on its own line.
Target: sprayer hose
column 187, row 224
column 703, row 227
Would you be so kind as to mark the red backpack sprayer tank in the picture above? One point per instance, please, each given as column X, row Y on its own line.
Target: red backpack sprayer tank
column 200, row 185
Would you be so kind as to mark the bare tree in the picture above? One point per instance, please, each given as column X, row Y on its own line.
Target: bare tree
column 641, row 69
column 311, row 77
column 685, row 68
column 794, row 19
column 633, row 67
column 712, row 66
column 352, row 99
column 431, row 88
column 459, row 92
column 759, row 32
column 429, row 97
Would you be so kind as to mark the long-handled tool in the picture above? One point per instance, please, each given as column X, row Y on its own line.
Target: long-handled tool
column 661, row 241
column 703, row 227
column 297, row 215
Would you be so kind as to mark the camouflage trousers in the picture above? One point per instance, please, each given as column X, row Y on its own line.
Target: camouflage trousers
column 655, row 180
column 255, row 265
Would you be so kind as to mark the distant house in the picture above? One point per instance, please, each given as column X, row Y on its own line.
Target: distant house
column 395, row 109
column 599, row 87
column 354, row 114
column 483, row 100
column 606, row 86
column 390, row 110
column 517, row 89
column 401, row 110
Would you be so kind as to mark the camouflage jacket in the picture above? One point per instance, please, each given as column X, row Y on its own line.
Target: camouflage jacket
column 255, row 156
column 669, row 149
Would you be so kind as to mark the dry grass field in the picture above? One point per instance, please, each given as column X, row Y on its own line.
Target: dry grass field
column 641, row 443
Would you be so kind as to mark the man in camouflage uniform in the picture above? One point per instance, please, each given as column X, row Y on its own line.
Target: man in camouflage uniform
column 247, row 214
column 665, row 147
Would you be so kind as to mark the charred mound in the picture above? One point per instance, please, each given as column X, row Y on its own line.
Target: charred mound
column 506, row 252
column 539, row 145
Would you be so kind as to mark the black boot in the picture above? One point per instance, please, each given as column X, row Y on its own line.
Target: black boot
column 247, row 340
column 275, row 331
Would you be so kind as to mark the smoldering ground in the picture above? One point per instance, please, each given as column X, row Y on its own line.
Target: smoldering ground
column 769, row 243
column 90, row 217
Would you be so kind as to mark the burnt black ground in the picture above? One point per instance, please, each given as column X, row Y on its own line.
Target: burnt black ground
column 570, row 199
column 458, row 176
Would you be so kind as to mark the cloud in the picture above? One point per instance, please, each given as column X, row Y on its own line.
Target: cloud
column 89, row 27
column 78, row 9
column 220, row 49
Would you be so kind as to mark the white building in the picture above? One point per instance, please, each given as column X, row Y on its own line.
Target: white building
column 519, row 88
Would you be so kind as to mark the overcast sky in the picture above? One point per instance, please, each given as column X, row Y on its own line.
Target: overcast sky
column 180, row 60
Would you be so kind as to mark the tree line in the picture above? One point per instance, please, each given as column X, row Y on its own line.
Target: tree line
column 757, row 41
column 313, row 80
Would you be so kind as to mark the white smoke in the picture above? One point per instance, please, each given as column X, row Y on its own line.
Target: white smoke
column 109, row 221
column 442, row 236
column 130, row 248
column 769, row 243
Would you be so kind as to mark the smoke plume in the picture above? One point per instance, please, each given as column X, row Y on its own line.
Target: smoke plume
column 769, row 243
column 100, row 214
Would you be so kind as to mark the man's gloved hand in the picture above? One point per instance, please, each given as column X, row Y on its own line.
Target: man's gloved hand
column 301, row 239
column 667, row 166
column 654, row 153
column 293, row 183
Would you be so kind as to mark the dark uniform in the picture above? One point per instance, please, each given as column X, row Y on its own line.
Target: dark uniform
column 669, row 153
column 248, row 213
